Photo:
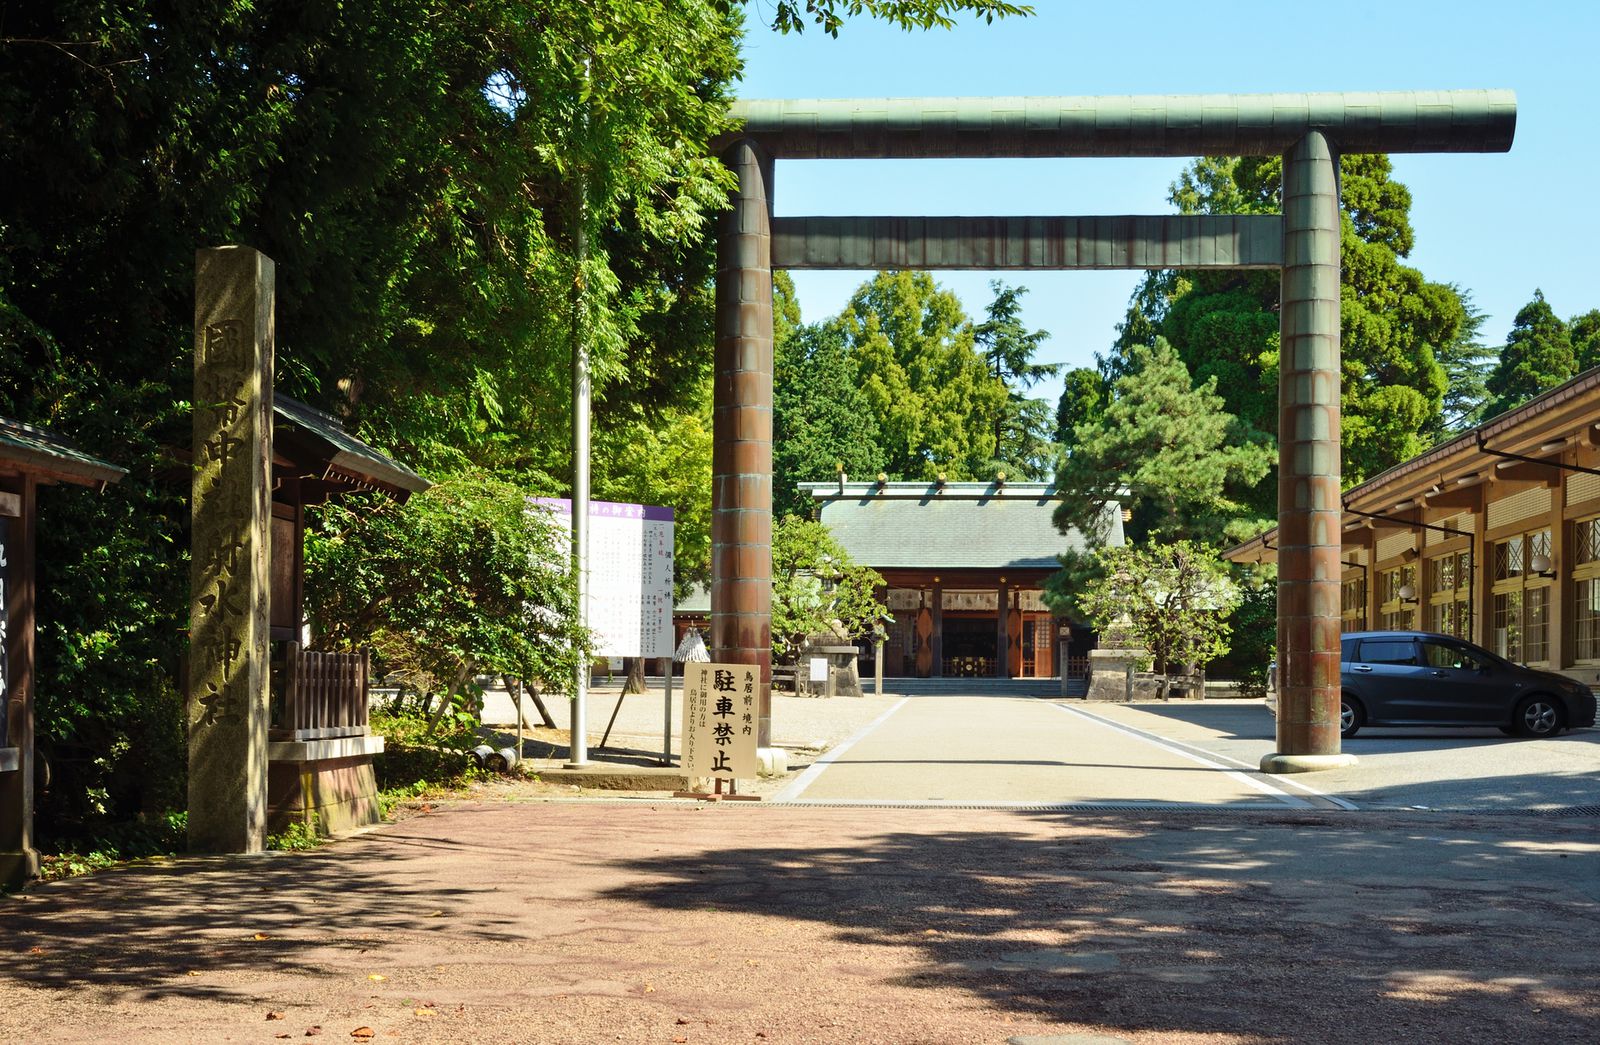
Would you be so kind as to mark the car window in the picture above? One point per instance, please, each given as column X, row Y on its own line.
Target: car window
column 1388, row 651
column 1442, row 655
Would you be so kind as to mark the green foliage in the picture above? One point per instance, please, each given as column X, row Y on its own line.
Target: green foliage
column 1397, row 329
column 298, row 836
column 1175, row 600
column 789, row 16
column 1538, row 356
column 1022, row 444
column 1165, row 449
column 1584, row 331
column 1466, row 362
column 414, row 759
column 1083, row 399
column 464, row 578
column 930, row 391
column 822, row 421
column 817, row 589
column 117, row 843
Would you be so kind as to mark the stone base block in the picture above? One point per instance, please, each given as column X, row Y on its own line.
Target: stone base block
column 773, row 761
column 1280, row 764
column 1108, row 674
column 18, row 867
column 337, row 794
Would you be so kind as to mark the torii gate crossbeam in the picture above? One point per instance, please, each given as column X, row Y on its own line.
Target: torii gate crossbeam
column 1308, row 130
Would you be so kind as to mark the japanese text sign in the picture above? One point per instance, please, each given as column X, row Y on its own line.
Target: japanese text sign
column 719, row 720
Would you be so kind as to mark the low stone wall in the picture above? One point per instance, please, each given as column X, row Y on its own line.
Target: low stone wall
column 329, row 783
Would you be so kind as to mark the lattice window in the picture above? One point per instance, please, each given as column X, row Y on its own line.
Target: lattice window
column 1521, row 604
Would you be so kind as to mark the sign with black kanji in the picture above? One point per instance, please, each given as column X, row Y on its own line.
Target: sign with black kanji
column 719, row 720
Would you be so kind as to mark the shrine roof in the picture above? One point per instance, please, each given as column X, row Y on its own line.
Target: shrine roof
column 343, row 455
column 950, row 525
column 33, row 449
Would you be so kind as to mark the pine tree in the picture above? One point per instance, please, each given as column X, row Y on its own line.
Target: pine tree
column 1538, row 356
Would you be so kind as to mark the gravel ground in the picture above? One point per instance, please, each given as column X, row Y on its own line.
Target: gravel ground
column 512, row 918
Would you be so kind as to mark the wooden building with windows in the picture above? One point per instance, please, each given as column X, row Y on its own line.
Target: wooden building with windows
column 965, row 565
column 1492, row 536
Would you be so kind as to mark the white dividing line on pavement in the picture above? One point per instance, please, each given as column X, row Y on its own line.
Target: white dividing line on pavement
column 814, row 770
column 1208, row 760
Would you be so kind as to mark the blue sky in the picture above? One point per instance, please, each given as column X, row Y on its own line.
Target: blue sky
column 1499, row 225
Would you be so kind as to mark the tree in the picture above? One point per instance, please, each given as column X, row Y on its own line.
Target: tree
column 1584, row 331
column 1168, row 451
column 1466, row 362
column 1083, row 399
column 463, row 579
column 822, row 421
column 817, row 589
column 789, row 16
column 1175, row 599
column 1394, row 323
column 1538, row 356
column 930, row 392
column 1022, row 444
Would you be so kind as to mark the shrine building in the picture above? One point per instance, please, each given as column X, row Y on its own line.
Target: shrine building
column 1492, row 536
column 964, row 564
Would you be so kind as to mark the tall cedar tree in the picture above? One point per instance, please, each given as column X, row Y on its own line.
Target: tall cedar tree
column 1538, row 356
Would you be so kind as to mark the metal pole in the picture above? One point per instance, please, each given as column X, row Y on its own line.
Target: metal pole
column 666, row 728
column 581, row 392
column 519, row 719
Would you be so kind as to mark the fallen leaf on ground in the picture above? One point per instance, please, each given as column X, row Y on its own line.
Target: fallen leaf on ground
column 37, row 950
column 363, row 1033
column 679, row 1041
column 260, row 936
column 436, row 914
column 312, row 1032
column 192, row 972
column 649, row 988
column 274, row 1015
column 377, row 977
column 424, row 1012
column 682, row 1021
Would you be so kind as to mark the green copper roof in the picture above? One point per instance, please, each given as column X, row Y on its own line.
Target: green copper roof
column 955, row 526
column 40, row 450
column 344, row 451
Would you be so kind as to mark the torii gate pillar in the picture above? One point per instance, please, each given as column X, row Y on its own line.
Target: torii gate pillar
column 1309, row 505
column 741, row 455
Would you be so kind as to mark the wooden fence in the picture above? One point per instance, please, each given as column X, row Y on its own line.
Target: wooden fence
column 324, row 695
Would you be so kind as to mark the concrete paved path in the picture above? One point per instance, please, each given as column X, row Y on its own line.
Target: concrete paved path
column 1025, row 751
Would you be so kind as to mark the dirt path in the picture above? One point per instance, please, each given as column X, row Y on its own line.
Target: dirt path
column 533, row 921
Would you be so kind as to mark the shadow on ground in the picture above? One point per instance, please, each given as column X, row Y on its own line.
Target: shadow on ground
column 1288, row 928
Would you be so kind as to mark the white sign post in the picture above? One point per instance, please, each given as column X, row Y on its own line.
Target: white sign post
column 719, row 722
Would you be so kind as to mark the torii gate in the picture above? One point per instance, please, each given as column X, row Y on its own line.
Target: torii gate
column 1308, row 130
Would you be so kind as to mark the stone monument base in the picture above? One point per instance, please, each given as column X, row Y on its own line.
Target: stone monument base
column 1108, row 675
column 327, row 783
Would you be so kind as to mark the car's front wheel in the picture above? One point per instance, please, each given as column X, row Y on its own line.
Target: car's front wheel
column 1537, row 716
column 1351, row 716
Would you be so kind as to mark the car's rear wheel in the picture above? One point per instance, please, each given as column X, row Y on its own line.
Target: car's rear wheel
column 1351, row 716
column 1537, row 715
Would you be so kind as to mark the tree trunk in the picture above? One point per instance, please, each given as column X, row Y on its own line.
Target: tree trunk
column 634, row 683
column 456, row 683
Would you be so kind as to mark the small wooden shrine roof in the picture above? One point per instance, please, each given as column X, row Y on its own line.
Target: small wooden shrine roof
column 27, row 448
column 317, row 442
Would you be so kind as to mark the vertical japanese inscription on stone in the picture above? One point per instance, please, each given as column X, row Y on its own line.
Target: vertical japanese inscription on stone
column 230, row 550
